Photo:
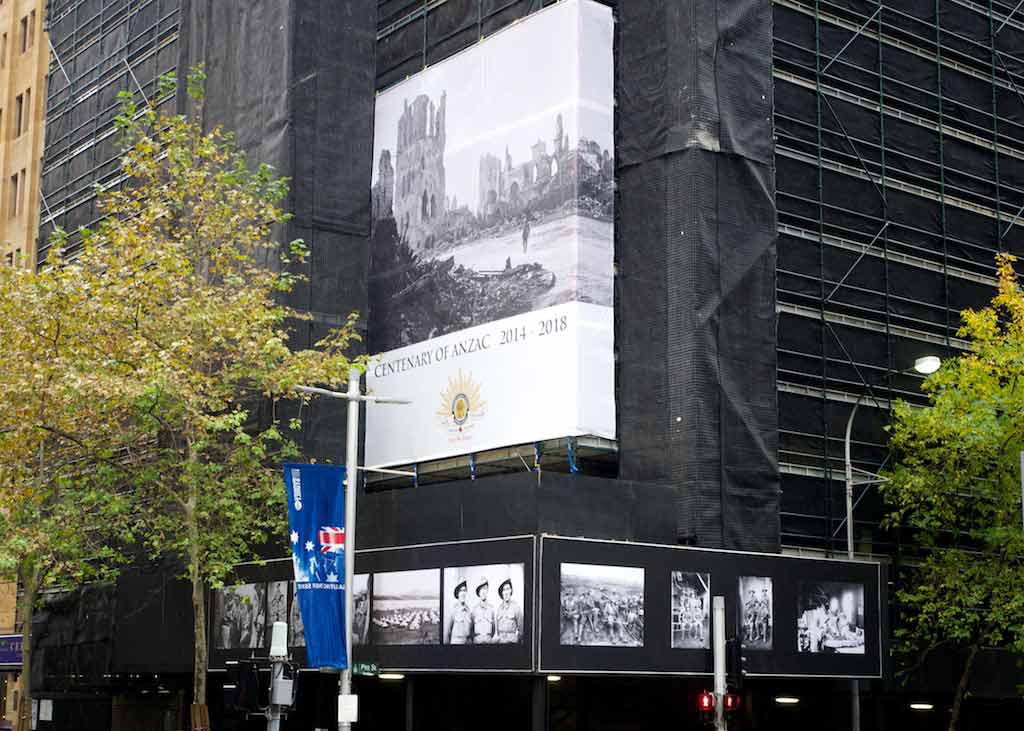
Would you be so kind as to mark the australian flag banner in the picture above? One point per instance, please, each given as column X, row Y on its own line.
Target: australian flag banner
column 316, row 514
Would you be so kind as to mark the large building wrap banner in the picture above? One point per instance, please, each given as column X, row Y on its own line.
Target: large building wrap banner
column 491, row 255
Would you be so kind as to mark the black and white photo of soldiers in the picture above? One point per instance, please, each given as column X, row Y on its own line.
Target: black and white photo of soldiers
column 361, row 609
column 277, row 605
column 296, row 629
column 831, row 618
column 241, row 613
column 483, row 605
column 602, row 605
column 757, row 615
column 406, row 607
column 691, row 610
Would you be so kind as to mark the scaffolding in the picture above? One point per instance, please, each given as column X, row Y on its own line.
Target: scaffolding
column 900, row 174
column 98, row 48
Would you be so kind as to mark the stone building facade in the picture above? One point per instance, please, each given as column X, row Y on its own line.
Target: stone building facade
column 419, row 178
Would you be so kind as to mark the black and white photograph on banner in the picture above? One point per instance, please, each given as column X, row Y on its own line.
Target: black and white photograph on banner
column 493, row 184
column 601, row 605
column 757, row 613
column 277, row 604
column 831, row 618
column 406, row 607
column 691, row 610
column 361, row 609
column 483, row 605
column 296, row 630
column 240, row 616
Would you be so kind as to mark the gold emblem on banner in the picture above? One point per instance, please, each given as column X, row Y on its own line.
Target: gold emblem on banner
column 461, row 403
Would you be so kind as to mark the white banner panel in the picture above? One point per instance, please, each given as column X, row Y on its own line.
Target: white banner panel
column 491, row 256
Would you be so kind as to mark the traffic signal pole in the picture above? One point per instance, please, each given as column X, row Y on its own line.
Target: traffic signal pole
column 718, row 644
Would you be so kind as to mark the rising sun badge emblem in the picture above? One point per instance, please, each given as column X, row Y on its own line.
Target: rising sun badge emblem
column 461, row 404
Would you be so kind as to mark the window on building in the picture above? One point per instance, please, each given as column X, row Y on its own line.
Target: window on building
column 31, row 28
column 23, row 34
column 10, row 259
column 26, row 115
column 3, row 50
column 19, row 110
column 21, row 192
column 12, row 203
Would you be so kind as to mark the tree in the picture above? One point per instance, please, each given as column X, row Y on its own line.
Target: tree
column 181, row 338
column 200, row 282
column 955, row 486
column 65, row 433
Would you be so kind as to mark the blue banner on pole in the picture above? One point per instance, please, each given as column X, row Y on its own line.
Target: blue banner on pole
column 316, row 514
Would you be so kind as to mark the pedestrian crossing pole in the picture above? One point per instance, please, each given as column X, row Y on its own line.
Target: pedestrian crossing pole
column 718, row 636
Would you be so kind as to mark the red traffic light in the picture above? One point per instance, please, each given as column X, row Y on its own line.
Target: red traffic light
column 732, row 702
column 706, row 702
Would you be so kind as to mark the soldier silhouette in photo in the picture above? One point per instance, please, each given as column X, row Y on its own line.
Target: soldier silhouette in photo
column 526, row 230
column 458, row 628
column 509, row 616
column 484, row 618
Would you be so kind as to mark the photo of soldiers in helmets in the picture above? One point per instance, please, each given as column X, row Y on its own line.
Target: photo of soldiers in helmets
column 602, row 605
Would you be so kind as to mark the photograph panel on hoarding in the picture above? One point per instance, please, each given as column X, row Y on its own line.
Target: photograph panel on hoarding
column 406, row 607
column 277, row 604
column 691, row 610
column 601, row 605
column 361, row 609
column 831, row 618
column 240, row 616
column 483, row 605
column 296, row 629
column 756, row 612
column 493, row 183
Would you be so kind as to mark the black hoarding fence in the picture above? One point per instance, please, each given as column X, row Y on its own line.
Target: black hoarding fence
column 900, row 159
column 695, row 322
column 98, row 49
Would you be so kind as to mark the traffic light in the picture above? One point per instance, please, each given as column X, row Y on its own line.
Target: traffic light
column 731, row 702
column 706, row 706
column 734, row 664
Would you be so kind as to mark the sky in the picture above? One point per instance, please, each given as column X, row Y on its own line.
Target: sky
column 509, row 89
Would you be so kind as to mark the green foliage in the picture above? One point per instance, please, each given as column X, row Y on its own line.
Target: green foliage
column 140, row 383
column 955, row 486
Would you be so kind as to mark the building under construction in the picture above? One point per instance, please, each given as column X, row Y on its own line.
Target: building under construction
column 807, row 195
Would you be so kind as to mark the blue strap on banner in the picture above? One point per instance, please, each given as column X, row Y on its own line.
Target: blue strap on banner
column 316, row 516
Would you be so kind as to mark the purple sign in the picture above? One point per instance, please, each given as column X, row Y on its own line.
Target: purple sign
column 10, row 649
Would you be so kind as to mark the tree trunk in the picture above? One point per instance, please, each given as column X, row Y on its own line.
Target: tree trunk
column 961, row 688
column 29, row 579
column 199, row 648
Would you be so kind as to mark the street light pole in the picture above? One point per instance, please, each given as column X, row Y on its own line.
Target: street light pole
column 346, row 701
column 855, row 683
column 351, row 472
column 925, row 366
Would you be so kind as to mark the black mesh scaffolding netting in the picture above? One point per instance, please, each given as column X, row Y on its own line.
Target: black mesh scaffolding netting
column 695, row 318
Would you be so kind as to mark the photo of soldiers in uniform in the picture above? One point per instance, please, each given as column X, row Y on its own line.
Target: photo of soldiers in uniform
column 483, row 605
column 602, row 605
column 831, row 618
column 756, row 612
column 240, row 614
column 277, row 605
column 361, row 609
column 406, row 607
column 296, row 630
column 691, row 610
